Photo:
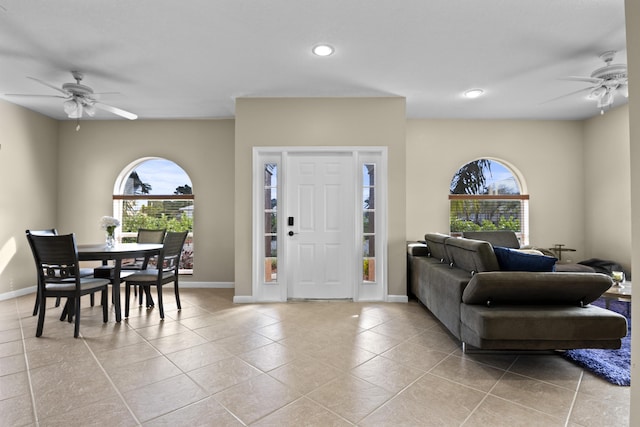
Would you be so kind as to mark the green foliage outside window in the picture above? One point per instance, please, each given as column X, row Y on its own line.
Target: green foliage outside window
column 460, row 225
column 131, row 223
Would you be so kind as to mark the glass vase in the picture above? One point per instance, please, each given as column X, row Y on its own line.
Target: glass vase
column 110, row 240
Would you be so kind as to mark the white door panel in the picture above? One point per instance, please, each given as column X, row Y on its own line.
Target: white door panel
column 321, row 188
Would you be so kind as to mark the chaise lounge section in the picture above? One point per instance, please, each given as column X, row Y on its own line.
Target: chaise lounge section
column 462, row 283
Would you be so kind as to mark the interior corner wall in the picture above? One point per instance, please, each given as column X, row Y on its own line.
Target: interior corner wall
column 632, row 17
column 92, row 158
column 28, row 172
column 547, row 153
column 263, row 122
column 608, row 187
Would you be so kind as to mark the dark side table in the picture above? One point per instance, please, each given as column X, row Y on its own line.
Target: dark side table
column 558, row 248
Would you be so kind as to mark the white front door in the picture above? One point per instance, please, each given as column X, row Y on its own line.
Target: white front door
column 319, row 226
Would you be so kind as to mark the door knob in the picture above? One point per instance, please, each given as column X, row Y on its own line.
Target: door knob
column 291, row 233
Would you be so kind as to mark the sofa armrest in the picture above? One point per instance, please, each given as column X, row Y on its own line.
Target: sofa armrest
column 417, row 249
column 527, row 288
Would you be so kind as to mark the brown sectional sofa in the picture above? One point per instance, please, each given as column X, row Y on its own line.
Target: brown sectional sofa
column 459, row 280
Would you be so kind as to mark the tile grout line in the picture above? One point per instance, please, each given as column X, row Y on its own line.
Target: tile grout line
column 164, row 355
column 106, row 374
column 26, row 361
column 575, row 397
column 488, row 393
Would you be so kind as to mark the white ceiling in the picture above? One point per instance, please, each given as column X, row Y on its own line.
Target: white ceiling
column 193, row 58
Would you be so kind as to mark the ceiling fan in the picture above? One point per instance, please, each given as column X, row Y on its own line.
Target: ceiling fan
column 607, row 81
column 80, row 99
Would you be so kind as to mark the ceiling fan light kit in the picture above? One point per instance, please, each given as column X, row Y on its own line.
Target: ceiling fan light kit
column 73, row 109
column 607, row 81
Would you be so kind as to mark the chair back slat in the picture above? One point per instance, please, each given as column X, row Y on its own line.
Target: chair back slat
column 173, row 243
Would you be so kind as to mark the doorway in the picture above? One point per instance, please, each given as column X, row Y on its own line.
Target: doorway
column 314, row 234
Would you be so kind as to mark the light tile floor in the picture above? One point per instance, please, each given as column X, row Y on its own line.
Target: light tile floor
column 290, row 364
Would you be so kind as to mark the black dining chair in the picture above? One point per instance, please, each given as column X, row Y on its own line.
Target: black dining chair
column 166, row 271
column 145, row 235
column 84, row 272
column 44, row 232
column 56, row 258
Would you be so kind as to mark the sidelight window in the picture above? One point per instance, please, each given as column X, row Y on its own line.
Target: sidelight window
column 270, row 233
column 369, row 222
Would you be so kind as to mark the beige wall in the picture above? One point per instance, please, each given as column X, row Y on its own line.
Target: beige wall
column 321, row 122
column 28, row 172
column 608, row 187
column 548, row 154
column 90, row 161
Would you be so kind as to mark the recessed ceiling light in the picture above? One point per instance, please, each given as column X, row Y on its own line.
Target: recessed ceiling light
column 322, row 50
column 473, row 93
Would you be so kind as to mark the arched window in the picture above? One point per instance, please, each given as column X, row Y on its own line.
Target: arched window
column 486, row 194
column 155, row 193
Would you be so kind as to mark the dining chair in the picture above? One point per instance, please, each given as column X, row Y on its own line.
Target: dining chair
column 166, row 271
column 44, row 232
column 83, row 271
column 56, row 258
column 145, row 235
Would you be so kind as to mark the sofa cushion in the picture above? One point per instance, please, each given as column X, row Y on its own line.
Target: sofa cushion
column 435, row 242
column 525, row 288
column 472, row 256
column 540, row 322
column 516, row 260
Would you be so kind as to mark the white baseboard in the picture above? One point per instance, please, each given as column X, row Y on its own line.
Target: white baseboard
column 398, row 298
column 243, row 299
column 237, row 299
column 210, row 285
column 183, row 284
column 18, row 293
column 248, row 299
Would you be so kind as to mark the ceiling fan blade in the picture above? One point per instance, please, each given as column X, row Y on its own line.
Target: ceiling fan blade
column 592, row 80
column 571, row 94
column 35, row 96
column 50, row 85
column 114, row 110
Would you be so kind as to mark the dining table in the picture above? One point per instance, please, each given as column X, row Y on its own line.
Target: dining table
column 117, row 253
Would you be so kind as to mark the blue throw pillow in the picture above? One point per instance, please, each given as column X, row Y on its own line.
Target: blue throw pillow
column 513, row 260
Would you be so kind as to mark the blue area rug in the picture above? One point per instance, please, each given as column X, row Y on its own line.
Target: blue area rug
column 612, row 365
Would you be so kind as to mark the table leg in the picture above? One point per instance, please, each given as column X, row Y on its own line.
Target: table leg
column 116, row 288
